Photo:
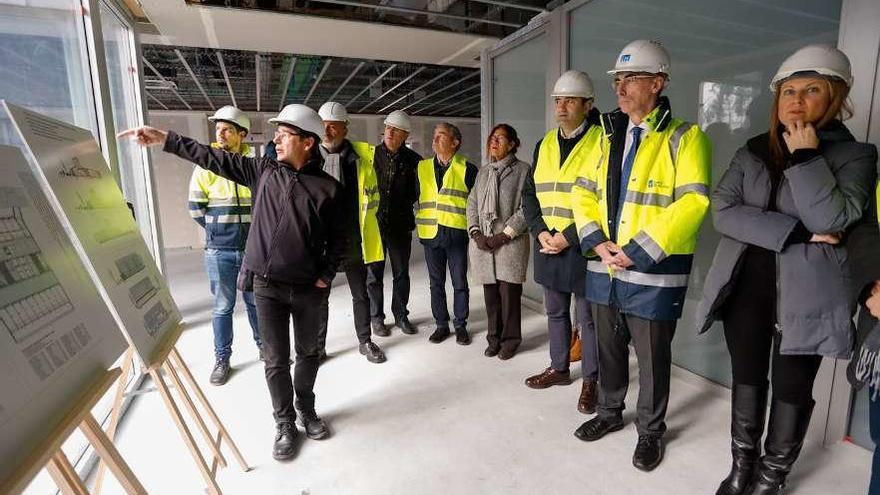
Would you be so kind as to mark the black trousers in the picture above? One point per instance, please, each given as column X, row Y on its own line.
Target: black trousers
column 653, row 344
column 438, row 259
column 504, row 313
column 749, row 319
column 398, row 249
column 276, row 304
column 558, row 307
column 356, row 276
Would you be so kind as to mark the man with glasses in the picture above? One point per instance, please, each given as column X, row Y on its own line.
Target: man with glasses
column 639, row 211
column 558, row 265
column 395, row 166
column 296, row 244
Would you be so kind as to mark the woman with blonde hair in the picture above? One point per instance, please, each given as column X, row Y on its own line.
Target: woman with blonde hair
column 779, row 281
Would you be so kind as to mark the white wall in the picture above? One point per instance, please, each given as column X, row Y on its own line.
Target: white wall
column 172, row 174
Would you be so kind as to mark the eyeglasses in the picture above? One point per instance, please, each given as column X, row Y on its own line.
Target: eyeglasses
column 629, row 78
column 282, row 134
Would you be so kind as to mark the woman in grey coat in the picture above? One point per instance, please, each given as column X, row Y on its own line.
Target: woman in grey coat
column 499, row 252
column 780, row 279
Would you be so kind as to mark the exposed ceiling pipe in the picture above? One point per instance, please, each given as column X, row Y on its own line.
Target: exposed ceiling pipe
column 150, row 66
column 458, row 103
column 194, row 78
column 399, row 84
column 441, row 90
column 226, row 77
column 149, row 95
column 408, row 10
column 432, row 105
column 512, row 5
column 259, row 78
column 423, row 86
column 317, row 80
column 375, row 81
column 344, row 83
column 287, row 82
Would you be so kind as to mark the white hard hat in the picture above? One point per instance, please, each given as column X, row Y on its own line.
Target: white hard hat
column 573, row 83
column 333, row 112
column 642, row 56
column 399, row 120
column 822, row 59
column 233, row 115
column 300, row 116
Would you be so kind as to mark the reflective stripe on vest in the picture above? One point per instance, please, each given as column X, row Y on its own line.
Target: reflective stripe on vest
column 446, row 206
column 553, row 182
column 368, row 204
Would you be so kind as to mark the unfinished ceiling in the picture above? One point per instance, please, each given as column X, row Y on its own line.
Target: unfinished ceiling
column 485, row 17
column 185, row 78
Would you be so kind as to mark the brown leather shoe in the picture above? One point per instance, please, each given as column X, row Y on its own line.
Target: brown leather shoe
column 575, row 350
column 548, row 378
column 587, row 400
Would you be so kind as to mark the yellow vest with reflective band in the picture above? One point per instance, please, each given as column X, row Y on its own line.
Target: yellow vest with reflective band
column 446, row 206
column 666, row 200
column 368, row 204
column 553, row 182
column 221, row 206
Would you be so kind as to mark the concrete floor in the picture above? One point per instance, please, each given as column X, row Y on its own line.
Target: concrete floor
column 438, row 419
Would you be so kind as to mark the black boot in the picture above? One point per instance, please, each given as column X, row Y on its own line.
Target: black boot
column 748, row 411
column 785, row 437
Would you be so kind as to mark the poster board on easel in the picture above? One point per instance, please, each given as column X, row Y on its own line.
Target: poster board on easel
column 73, row 174
column 57, row 337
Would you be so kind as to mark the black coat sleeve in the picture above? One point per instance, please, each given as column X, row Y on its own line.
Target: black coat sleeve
column 237, row 168
column 530, row 205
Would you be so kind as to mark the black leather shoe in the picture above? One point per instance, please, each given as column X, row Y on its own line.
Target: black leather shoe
column 439, row 335
column 596, row 428
column 462, row 336
column 406, row 326
column 315, row 427
column 285, row 442
column 649, row 452
column 506, row 353
column 373, row 353
column 379, row 328
column 491, row 351
column 220, row 373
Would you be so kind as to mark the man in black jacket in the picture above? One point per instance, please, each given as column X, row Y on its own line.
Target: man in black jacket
column 293, row 250
column 398, row 191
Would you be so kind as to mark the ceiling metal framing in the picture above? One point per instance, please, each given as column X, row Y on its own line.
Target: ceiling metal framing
column 185, row 78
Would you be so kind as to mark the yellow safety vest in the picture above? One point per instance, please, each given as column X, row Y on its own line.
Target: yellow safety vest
column 666, row 199
column 368, row 203
column 553, row 182
column 446, row 206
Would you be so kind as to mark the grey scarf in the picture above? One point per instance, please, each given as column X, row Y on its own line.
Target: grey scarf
column 331, row 164
column 487, row 206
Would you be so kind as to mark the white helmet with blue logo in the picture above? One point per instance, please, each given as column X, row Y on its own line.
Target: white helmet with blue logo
column 642, row 56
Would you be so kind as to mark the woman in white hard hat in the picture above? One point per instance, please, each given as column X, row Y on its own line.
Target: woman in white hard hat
column 499, row 252
column 779, row 281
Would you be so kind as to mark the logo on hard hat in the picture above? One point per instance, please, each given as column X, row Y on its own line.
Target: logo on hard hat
column 624, row 57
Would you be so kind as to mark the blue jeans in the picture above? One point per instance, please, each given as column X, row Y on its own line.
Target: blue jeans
column 222, row 266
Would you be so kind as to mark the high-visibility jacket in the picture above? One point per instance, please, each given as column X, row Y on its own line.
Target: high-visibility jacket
column 665, row 202
column 553, row 182
column 368, row 203
column 445, row 206
column 221, row 206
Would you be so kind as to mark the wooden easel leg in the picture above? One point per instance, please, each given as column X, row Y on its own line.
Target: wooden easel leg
column 65, row 476
column 127, row 364
column 188, row 439
column 187, row 375
column 191, row 407
column 109, row 454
